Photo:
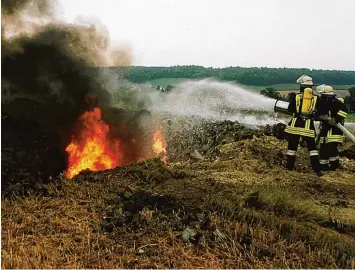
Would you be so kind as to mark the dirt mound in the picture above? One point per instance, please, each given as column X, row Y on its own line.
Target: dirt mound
column 187, row 136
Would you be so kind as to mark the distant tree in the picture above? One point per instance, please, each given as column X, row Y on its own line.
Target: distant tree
column 271, row 92
column 249, row 76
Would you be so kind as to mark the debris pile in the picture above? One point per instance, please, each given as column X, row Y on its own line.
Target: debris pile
column 201, row 138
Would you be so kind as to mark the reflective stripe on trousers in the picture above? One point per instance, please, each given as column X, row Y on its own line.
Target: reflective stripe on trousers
column 334, row 158
column 291, row 152
column 324, row 161
column 313, row 153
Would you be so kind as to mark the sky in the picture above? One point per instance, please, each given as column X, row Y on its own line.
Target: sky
column 316, row 34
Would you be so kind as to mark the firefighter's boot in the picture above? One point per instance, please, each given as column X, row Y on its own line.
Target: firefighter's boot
column 291, row 158
column 334, row 163
column 324, row 165
column 315, row 162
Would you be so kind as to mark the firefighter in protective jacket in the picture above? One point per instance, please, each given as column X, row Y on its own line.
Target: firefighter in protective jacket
column 302, row 106
column 330, row 110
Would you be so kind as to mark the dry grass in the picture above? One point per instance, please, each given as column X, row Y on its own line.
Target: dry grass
column 247, row 212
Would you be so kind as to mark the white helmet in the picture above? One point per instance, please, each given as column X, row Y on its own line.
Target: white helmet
column 305, row 80
column 325, row 89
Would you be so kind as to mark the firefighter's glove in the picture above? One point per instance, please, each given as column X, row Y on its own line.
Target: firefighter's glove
column 332, row 121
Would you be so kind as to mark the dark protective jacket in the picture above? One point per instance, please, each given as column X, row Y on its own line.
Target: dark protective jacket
column 300, row 124
column 333, row 108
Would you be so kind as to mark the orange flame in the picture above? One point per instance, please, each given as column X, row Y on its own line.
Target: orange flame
column 92, row 149
column 159, row 144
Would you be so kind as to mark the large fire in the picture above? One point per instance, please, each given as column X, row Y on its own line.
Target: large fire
column 92, row 148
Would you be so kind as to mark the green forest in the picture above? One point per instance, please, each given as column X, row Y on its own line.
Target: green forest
column 258, row 76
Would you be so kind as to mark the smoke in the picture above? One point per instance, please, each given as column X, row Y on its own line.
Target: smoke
column 209, row 98
column 50, row 75
column 129, row 96
column 53, row 62
column 24, row 17
column 12, row 8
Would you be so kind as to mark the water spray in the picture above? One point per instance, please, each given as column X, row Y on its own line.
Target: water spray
column 215, row 100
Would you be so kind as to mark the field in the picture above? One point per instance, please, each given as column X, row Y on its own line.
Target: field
column 224, row 200
column 100, row 169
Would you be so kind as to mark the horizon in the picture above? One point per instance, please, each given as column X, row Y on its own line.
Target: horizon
column 259, row 67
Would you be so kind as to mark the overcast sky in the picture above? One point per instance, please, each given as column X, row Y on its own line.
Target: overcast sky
column 274, row 33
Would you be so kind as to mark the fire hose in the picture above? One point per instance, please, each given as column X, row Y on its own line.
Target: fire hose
column 346, row 132
column 282, row 107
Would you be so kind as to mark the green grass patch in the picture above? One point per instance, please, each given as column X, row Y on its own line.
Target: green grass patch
column 350, row 117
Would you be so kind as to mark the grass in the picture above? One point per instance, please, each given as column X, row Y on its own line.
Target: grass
column 350, row 117
column 245, row 212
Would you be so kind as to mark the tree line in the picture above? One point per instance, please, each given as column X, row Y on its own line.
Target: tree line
column 258, row 76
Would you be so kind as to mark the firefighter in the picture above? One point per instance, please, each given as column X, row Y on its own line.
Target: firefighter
column 330, row 110
column 302, row 106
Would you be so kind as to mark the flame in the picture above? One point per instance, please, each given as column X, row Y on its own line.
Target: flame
column 92, row 149
column 159, row 144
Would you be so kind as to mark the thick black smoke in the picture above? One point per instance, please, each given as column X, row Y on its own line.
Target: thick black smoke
column 48, row 80
column 51, row 64
column 48, row 70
